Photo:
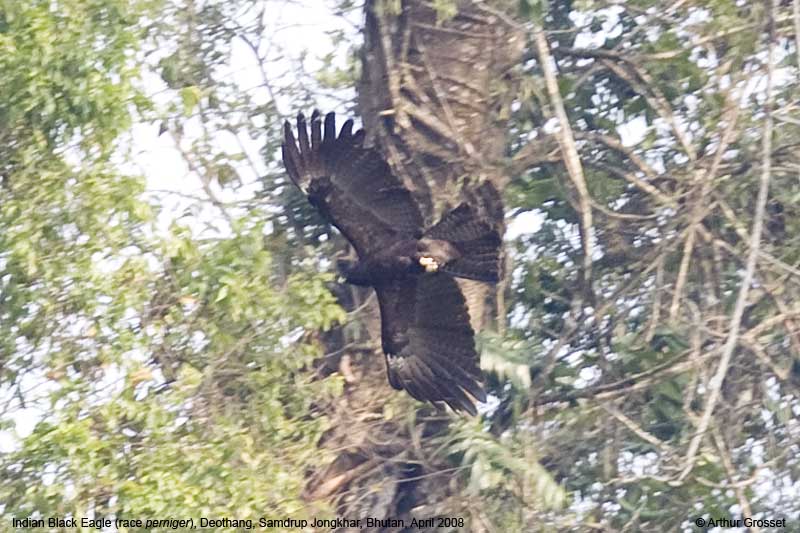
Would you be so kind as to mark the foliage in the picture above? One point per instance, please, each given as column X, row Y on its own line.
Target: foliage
column 667, row 111
column 506, row 468
column 149, row 371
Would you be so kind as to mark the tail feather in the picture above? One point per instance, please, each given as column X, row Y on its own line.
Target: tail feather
column 477, row 241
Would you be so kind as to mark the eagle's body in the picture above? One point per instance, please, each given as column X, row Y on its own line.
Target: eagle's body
column 403, row 259
column 392, row 264
column 425, row 328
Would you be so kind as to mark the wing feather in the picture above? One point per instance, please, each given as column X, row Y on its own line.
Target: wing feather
column 291, row 156
column 302, row 137
column 352, row 185
column 330, row 128
column 428, row 341
column 316, row 132
column 477, row 239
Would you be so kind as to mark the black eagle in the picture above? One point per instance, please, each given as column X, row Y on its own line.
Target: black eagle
column 425, row 327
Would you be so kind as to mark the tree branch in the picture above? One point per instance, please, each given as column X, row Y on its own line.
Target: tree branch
column 566, row 141
column 715, row 384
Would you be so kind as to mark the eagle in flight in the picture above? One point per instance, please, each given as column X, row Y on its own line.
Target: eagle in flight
column 425, row 328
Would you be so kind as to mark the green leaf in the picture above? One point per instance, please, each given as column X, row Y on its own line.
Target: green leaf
column 190, row 97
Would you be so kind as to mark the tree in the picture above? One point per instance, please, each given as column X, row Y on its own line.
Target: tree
column 153, row 365
column 431, row 99
column 662, row 363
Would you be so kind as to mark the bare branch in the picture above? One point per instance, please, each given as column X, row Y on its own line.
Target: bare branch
column 715, row 385
column 796, row 17
column 566, row 141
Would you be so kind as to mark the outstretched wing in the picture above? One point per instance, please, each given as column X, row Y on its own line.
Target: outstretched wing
column 467, row 241
column 428, row 341
column 350, row 184
column 478, row 244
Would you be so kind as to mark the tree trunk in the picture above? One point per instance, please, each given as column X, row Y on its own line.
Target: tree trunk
column 432, row 97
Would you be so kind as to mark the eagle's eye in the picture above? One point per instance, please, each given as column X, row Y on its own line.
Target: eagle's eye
column 429, row 263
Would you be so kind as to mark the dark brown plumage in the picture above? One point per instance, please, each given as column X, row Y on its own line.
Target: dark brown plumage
column 425, row 328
